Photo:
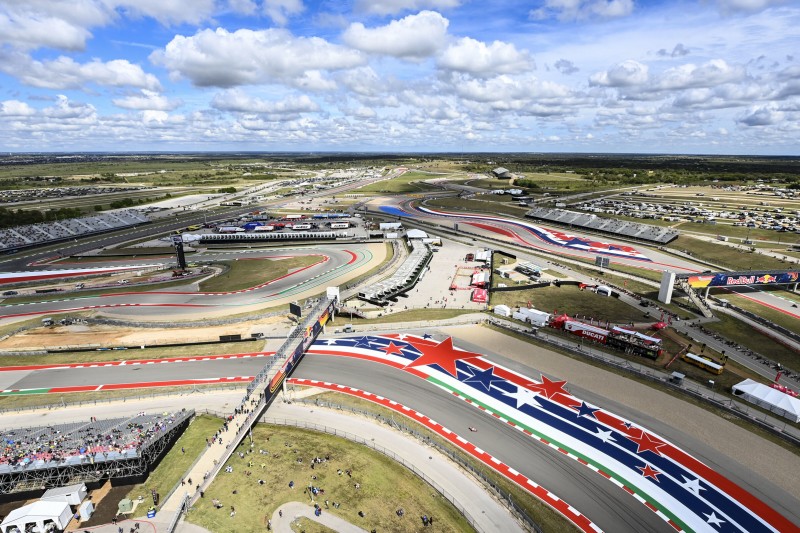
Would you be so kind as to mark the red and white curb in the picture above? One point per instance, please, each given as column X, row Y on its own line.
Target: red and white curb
column 104, row 364
column 559, row 505
column 546, row 442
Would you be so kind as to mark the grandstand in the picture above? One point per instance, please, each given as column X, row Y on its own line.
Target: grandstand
column 207, row 238
column 402, row 280
column 41, row 457
column 45, row 232
column 633, row 230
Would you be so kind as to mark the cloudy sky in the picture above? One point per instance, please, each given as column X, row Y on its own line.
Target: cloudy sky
column 672, row 76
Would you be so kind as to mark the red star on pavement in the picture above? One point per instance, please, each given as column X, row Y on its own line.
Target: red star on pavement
column 646, row 442
column 549, row 388
column 442, row 354
column 649, row 471
column 392, row 349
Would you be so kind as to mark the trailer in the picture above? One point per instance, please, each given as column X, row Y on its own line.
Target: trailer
column 230, row 229
column 340, row 225
column 301, row 227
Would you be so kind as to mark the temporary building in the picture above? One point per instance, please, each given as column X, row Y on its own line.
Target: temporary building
column 480, row 295
column 483, row 255
column 769, row 398
column 71, row 494
column 383, row 226
column 502, row 310
column 534, row 316
column 416, row 234
column 480, row 279
column 37, row 515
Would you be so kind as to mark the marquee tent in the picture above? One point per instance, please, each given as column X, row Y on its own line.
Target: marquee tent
column 772, row 399
column 38, row 514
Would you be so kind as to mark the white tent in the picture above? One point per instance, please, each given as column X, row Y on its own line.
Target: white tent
column 769, row 398
column 72, row 494
column 38, row 513
column 502, row 310
column 416, row 234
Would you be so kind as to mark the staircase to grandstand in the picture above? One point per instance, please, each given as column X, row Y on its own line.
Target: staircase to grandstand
column 46, row 232
column 623, row 228
column 694, row 298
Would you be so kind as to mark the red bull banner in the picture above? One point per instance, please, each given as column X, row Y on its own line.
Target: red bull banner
column 756, row 278
column 324, row 318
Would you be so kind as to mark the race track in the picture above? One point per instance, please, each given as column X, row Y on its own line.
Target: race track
column 336, row 265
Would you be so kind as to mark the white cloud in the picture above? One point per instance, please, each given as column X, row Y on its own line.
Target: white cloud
column 15, row 108
column 167, row 11
column 66, row 25
column 66, row 110
column 714, row 72
column 625, row 74
column 243, row 7
column 25, row 33
column 147, row 100
column 413, row 37
column 391, row 7
column 728, row 7
column 226, row 59
column 582, row 9
column 236, row 101
column 280, row 10
column 65, row 73
column 475, row 57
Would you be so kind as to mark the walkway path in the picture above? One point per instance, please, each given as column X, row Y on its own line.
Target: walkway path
column 294, row 510
column 487, row 512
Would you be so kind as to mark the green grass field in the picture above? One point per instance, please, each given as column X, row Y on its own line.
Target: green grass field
column 175, row 463
column 726, row 256
column 133, row 354
column 249, row 273
column 547, row 518
column 737, row 331
column 478, row 206
column 779, row 318
column 385, row 485
column 410, row 182
column 571, row 300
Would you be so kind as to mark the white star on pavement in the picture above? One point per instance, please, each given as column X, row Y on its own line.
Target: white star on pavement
column 713, row 519
column 329, row 342
column 692, row 485
column 604, row 436
column 402, row 336
column 523, row 396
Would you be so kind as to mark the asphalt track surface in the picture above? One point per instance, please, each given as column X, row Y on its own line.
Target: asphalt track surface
column 607, row 505
column 610, row 507
column 509, row 232
column 175, row 301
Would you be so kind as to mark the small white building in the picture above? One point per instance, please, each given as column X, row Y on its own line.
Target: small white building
column 71, row 494
column 502, row 310
column 416, row 234
column 483, row 255
column 37, row 514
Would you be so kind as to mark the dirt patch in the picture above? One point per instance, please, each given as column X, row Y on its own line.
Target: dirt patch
column 98, row 335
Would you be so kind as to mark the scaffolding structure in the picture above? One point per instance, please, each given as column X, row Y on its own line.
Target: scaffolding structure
column 93, row 468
